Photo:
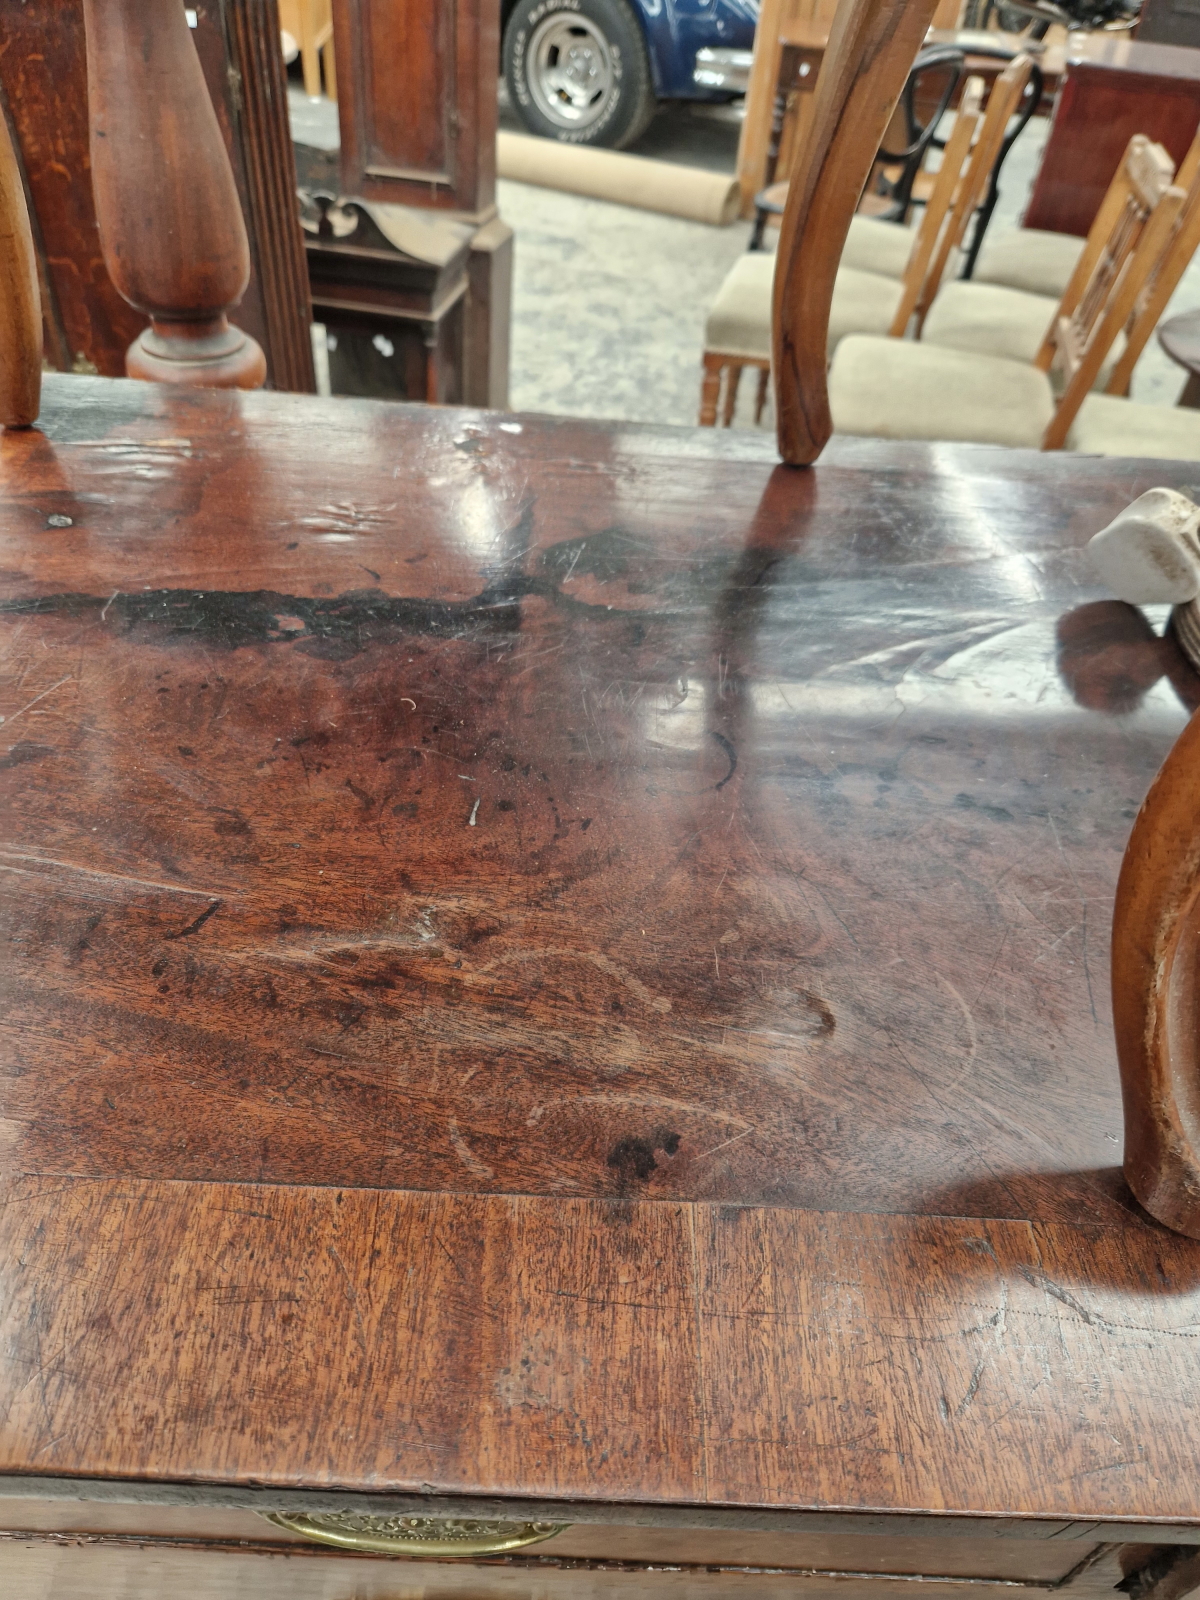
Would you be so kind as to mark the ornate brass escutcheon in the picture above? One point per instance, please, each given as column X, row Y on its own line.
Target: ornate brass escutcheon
column 414, row 1536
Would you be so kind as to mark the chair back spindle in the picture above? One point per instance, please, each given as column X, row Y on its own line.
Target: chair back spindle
column 171, row 225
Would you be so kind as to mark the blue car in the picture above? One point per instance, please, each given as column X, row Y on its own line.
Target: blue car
column 593, row 71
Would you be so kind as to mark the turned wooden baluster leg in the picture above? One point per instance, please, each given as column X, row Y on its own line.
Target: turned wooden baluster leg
column 732, row 384
column 171, row 227
column 760, row 399
column 872, row 46
column 20, row 301
column 710, row 391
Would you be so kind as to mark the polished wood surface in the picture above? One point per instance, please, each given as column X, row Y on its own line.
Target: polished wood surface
column 1112, row 89
column 170, row 222
column 20, row 300
column 566, row 962
column 872, row 45
column 1156, row 942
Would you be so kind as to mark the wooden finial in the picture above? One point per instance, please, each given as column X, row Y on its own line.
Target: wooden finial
column 20, row 301
column 171, row 226
column 872, row 47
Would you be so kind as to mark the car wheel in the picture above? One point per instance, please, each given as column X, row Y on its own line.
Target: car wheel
column 577, row 71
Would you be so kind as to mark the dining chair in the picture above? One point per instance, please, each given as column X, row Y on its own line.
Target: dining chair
column 906, row 163
column 1001, row 320
column 738, row 329
column 925, row 391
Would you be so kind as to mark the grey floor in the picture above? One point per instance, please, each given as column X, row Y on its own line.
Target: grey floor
column 609, row 303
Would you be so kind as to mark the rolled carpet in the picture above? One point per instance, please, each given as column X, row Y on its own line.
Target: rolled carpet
column 626, row 180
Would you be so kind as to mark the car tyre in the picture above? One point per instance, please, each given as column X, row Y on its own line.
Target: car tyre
column 577, row 71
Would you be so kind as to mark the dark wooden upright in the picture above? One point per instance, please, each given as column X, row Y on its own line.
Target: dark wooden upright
column 43, row 92
column 417, row 112
column 559, row 970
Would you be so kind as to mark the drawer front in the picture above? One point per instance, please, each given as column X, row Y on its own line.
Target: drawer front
column 56, row 1567
column 946, row 1554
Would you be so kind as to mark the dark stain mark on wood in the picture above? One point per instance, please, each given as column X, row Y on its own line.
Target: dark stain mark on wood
column 24, row 751
column 197, row 922
column 730, row 752
column 633, row 1159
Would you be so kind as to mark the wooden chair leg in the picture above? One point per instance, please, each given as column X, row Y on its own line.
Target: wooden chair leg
column 760, row 399
column 710, row 390
column 20, row 298
column 330, row 70
column 732, row 382
column 310, row 58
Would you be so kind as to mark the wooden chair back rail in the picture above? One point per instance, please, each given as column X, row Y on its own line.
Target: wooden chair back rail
column 171, row 225
column 1005, row 97
column 1153, row 301
column 920, row 282
column 20, row 300
column 872, row 45
column 1156, row 999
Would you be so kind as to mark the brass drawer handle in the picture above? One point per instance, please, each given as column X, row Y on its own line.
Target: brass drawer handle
column 414, row 1536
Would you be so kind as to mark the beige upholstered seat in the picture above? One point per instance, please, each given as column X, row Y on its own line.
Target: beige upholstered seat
column 873, row 245
column 1109, row 426
column 891, row 389
column 739, row 323
column 1029, row 259
column 991, row 320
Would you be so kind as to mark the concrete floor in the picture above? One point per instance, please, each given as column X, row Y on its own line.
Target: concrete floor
column 609, row 303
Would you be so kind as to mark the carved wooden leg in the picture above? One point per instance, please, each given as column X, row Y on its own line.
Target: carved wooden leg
column 710, row 390
column 760, row 399
column 171, row 227
column 20, row 301
column 732, row 383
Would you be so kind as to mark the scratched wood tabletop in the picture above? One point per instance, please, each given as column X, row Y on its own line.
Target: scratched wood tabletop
column 561, row 960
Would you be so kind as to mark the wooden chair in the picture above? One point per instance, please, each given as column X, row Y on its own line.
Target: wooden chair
column 896, row 190
column 738, row 330
column 310, row 23
column 999, row 320
column 924, row 391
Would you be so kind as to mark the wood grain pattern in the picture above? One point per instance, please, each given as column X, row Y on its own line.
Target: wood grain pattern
column 460, row 899
column 872, row 45
column 1156, row 938
column 593, row 1350
column 20, row 301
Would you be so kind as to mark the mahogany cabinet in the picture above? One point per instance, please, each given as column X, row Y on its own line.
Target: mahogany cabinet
column 1113, row 87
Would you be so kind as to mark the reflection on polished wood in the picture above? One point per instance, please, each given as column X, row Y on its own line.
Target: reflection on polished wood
column 565, row 964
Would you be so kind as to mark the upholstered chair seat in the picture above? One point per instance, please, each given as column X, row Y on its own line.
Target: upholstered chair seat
column 1029, row 259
